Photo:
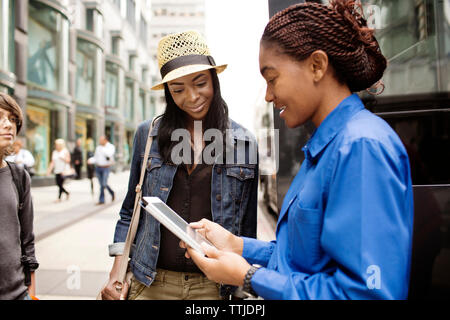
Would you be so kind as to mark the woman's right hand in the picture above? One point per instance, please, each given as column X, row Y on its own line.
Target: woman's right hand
column 113, row 289
column 220, row 237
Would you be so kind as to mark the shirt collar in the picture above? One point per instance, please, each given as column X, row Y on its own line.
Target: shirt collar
column 332, row 124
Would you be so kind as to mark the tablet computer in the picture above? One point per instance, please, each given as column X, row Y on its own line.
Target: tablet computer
column 172, row 221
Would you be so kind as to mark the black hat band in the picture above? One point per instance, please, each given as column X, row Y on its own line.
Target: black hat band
column 186, row 61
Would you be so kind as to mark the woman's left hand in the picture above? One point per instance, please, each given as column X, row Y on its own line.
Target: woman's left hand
column 220, row 266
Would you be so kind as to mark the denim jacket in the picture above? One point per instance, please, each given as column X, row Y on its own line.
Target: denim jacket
column 233, row 196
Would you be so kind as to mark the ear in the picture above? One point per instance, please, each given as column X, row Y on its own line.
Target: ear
column 319, row 64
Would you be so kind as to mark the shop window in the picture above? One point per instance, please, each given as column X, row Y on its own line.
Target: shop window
column 48, row 40
column 38, row 137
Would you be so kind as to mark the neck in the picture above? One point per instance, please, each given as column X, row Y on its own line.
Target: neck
column 2, row 160
column 329, row 102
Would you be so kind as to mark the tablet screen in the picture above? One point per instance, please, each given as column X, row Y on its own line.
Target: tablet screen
column 179, row 222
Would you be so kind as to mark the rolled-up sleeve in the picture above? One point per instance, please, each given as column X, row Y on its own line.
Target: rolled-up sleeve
column 257, row 251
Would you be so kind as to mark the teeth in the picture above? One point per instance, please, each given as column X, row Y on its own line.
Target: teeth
column 282, row 109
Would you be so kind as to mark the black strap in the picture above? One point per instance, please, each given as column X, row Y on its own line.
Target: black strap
column 186, row 61
column 19, row 176
column 19, row 180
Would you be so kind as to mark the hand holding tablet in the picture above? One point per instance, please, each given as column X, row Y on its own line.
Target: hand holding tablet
column 172, row 221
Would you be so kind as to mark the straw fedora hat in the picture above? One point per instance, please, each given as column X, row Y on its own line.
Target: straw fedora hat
column 183, row 53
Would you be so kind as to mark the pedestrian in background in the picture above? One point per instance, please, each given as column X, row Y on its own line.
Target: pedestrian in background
column 77, row 158
column 103, row 160
column 17, row 253
column 345, row 226
column 22, row 157
column 60, row 165
column 194, row 187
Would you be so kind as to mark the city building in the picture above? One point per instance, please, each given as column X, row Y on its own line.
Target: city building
column 79, row 69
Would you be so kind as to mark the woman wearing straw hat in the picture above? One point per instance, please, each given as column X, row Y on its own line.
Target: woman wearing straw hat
column 345, row 226
column 197, row 182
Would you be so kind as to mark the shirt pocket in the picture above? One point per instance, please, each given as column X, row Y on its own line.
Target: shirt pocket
column 152, row 173
column 238, row 182
column 305, row 228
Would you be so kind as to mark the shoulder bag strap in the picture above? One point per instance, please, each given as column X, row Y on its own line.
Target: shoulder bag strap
column 136, row 211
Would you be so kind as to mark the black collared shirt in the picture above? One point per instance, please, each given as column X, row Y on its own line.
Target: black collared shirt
column 190, row 197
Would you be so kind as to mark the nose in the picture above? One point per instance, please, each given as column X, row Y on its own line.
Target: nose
column 269, row 95
column 193, row 94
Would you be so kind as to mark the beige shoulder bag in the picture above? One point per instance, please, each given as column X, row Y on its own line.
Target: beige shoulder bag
column 123, row 275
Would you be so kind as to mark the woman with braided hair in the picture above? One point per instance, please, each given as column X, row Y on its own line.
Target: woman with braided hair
column 345, row 227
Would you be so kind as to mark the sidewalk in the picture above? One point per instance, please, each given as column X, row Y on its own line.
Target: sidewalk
column 72, row 237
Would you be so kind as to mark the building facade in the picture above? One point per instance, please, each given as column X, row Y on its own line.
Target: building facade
column 79, row 69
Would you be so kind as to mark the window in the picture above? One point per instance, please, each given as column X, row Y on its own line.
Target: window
column 7, row 35
column 90, row 20
column 115, row 45
column 112, row 85
column 411, row 36
column 87, row 59
column 131, row 12
column 48, row 54
column 143, row 30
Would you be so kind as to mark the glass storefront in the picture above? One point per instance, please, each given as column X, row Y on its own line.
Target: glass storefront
column 48, row 43
column 38, row 137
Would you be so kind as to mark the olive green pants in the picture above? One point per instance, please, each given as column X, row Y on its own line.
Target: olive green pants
column 171, row 285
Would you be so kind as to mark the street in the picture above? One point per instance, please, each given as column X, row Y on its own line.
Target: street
column 72, row 237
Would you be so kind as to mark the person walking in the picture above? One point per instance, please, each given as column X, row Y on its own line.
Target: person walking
column 345, row 226
column 194, row 180
column 17, row 251
column 22, row 157
column 60, row 165
column 104, row 159
column 77, row 158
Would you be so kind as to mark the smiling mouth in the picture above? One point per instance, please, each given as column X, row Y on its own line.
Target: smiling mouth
column 198, row 108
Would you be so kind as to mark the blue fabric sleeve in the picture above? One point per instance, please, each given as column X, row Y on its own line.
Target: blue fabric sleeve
column 257, row 251
column 367, row 230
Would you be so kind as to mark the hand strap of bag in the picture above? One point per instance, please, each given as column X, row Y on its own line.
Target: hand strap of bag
column 136, row 212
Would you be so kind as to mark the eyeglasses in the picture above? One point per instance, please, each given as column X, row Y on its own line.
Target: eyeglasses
column 12, row 119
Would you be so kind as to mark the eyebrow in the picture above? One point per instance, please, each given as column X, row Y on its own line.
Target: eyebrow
column 182, row 83
column 265, row 69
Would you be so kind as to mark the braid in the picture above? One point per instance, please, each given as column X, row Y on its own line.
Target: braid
column 340, row 30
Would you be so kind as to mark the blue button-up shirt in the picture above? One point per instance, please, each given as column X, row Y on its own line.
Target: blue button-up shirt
column 345, row 227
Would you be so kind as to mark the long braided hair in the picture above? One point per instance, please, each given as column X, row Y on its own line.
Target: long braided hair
column 338, row 29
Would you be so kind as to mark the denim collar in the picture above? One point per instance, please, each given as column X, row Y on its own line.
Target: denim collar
column 235, row 130
column 332, row 124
